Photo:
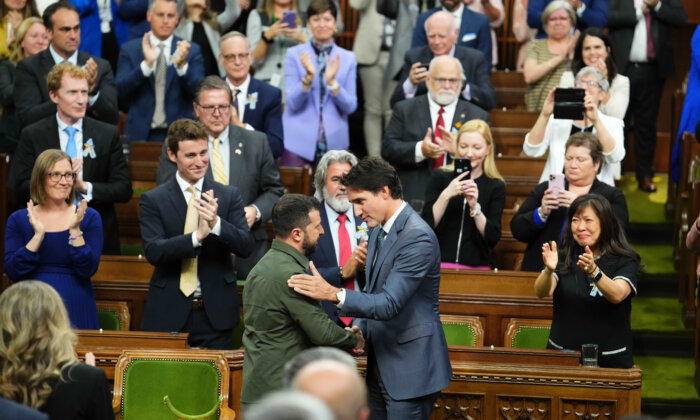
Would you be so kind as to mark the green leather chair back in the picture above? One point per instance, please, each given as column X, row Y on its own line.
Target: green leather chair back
column 530, row 337
column 192, row 386
column 458, row 334
column 108, row 319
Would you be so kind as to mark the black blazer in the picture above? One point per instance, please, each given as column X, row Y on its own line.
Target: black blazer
column 410, row 120
column 162, row 221
column 10, row 410
column 622, row 20
column 32, row 101
column 475, row 68
column 107, row 171
column 525, row 229
column 82, row 394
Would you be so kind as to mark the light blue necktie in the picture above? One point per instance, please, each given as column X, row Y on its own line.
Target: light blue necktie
column 70, row 146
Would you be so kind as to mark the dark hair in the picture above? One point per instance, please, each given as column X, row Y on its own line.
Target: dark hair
column 372, row 174
column 30, row 9
column 577, row 62
column 292, row 211
column 53, row 8
column 211, row 83
column 589, row 141
column 316, row 7
column 612, row 241
column 185, row 129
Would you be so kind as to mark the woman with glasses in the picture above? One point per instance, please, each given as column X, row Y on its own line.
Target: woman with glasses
column 55, row 241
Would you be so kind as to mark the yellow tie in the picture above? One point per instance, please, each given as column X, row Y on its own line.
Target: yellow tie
column 219, row 169
column 188, row 272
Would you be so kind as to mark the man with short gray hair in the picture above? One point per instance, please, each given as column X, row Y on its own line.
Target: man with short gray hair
column 342, row 251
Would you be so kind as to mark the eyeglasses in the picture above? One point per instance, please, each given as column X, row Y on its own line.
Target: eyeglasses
column 56, row 176
column 584, row 83
column 240, row 57
column 448, row 82
column 210, row 109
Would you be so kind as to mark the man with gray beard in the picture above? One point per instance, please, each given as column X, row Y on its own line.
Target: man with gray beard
column 342, row 250
column 421, row 133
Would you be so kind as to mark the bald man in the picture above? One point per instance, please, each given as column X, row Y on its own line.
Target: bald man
column 336, row 384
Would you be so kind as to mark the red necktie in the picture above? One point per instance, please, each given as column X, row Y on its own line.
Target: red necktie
column 437, row 163
column 344, row 252
column 651, row 51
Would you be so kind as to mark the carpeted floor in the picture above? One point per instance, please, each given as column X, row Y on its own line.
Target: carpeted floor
column 667, row 378
column 657, row 315
column 644, row 207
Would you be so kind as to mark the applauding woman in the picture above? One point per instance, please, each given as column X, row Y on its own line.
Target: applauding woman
column 53, row 242
column 592, row 279
column 465, row 210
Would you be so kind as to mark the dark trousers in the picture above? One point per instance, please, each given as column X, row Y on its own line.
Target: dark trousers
column 382, row 406
column 203, row 334
column 645, row 95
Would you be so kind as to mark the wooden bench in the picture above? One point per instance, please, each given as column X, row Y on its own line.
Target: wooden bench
column 509, row 140
column 296, row 180
column 521, row 174
column 513, row 118
column 510, row 89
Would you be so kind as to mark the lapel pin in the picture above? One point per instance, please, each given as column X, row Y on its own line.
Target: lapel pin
column 238, row 151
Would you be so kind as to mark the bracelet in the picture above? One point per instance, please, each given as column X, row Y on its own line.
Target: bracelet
column 476, row 211
column 305, row 81
column 72, row 238
column 334, row 86
column 266, row 39
column 542, row 216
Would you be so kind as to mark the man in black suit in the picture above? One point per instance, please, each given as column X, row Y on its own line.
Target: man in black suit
column 244, row 160
column 31, row 93
column 648, row 65
column 191, row 228
column 442, row 35
column 340, row 255
column 408, row 140
column 98, row 159
column 258, row 104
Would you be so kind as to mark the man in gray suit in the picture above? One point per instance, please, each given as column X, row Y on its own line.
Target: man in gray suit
column 238, row 157
column 413, row 142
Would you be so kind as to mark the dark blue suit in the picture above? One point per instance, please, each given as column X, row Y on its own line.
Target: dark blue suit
column 596, row 14
column 402, row 323
column 266, row 116
column 162, row 219
column 139, row 91
column 325, row 260
column 10, row 410
column 474, row 31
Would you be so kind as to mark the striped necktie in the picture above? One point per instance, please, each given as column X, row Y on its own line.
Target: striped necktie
column 219, row 170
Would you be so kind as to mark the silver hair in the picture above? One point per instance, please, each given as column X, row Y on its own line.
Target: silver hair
column 332, row 156
column 455, row 24
column 289, row 405
column 292, row 367
column 602, row 81
column 556, row 5
column 180, row 5
column 234, row 34
column 434, row 61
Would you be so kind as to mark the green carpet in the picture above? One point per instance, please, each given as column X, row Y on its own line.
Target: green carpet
column 667, row 378
column 657, row 259
column 657, row 315
column 644, row 207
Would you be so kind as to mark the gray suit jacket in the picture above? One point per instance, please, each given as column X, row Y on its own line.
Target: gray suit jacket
column 368, row 37
column 254, row 172
column 405, row 22
column 410, row 120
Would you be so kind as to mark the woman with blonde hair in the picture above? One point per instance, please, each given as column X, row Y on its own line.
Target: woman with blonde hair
column 465, row 210
column 12, row 13
column 38, row 365
column 55, row 241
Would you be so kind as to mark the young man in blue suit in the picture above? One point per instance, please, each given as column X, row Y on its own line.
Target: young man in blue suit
column 258, row 104
column 340, row 255
column 407, row 359
column 474, row 28
column 191, row 228
column 157, row 76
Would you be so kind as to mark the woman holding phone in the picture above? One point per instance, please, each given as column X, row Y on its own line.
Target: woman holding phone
column 542, row 216
column 465, row 209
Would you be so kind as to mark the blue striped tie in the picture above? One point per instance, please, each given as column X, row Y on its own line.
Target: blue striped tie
column 72, row 152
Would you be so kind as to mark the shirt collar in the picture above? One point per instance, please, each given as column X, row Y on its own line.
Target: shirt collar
column 457, row 13
column 333, row 215
column 168, row 43
column 293, row 252
column 435, row 107
column 389, row 223
column 57, row 59
column 184, row 184
column 62, row 126
column 223, row 137
column 243, row 87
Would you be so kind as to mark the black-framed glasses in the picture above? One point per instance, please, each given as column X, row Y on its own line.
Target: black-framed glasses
column 56, row 176
column 210, row 109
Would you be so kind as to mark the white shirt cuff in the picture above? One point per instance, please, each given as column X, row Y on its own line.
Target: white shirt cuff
column 88, row 194
column 195, row 242
column 216, row 230
column 181, row 71
column 409, row 89
column 258, row 216
column 419, row 153
column 147, row 71
column 91, row 101
column 341, row 299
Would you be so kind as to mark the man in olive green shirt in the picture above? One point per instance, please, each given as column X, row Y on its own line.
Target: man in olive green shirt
column 280, row 323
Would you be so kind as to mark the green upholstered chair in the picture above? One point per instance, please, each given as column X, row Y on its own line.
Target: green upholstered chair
column 462, row 330
column 195, row 382
column 113, row 315
column 527, row 333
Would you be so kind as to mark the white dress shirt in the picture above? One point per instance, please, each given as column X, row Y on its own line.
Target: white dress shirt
column 447, row 117
column 78, row 139
column 242, row 97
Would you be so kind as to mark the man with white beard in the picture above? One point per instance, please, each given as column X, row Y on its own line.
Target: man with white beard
column 420, row 134
column 342, row 249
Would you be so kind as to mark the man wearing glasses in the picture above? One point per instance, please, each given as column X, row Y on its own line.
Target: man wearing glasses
column 238, row 157
column 102, row 177
column 256, row 104
column 419, row 136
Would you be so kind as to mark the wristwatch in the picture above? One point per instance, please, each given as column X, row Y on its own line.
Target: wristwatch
column 266, row 39
column 597, row 276
column 340, row 295
column 475, row 211
column 334, row 86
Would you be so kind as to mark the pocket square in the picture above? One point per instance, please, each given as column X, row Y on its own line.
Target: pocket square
column 468, row 37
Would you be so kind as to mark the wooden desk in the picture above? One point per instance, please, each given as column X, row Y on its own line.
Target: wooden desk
column 132, row 339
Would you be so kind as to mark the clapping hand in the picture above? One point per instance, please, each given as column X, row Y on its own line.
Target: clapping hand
column 447, row 142
column 207, row 214
column 181, row 51
column 150, row 52
column 586, row 261
column 305, row 58
column 77, row 217
column 356, row 261
column 549, row 255
column 91, row 70
column 37, row 225
column 332, row 68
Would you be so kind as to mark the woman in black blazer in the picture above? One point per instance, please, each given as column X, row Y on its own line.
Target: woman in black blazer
column 38, row 366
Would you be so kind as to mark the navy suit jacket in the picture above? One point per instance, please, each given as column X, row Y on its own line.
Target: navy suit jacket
column 265, row 113
column 10, row 410
column 475, row 69
column 401, row 321
column 162, row 219
column 325, row 260
column 474, row 31
column 138, row 91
